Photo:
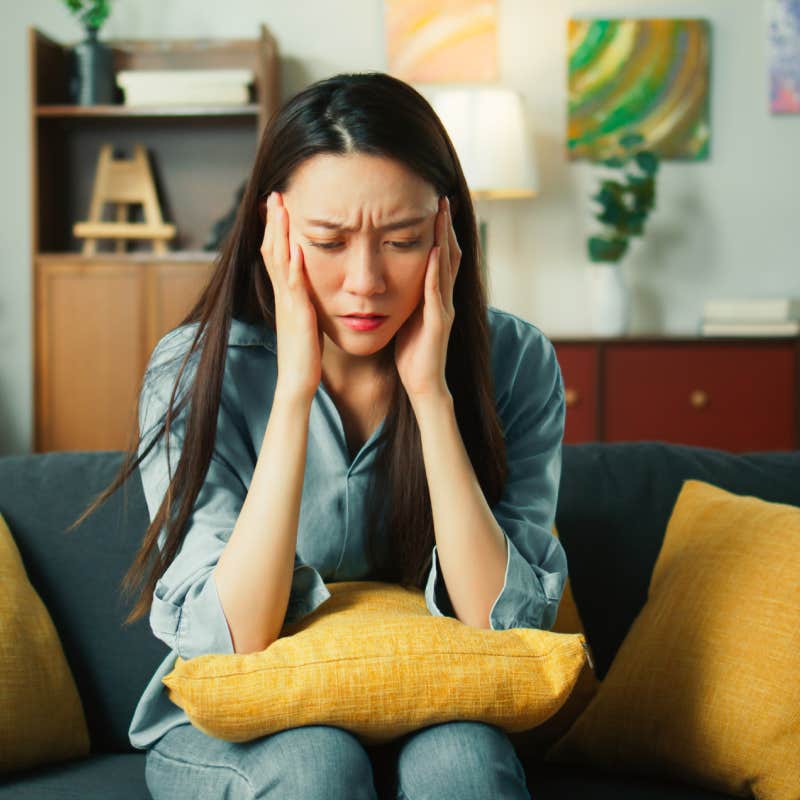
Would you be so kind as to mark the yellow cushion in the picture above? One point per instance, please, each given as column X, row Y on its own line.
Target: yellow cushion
column 705, row 687
column 373, row 660
column 536, row 741
column 41, row 716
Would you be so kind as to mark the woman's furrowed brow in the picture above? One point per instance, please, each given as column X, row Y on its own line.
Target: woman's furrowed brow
column 391, row 226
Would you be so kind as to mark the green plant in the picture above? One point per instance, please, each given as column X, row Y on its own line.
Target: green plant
column 91, row 13
column 626, row 202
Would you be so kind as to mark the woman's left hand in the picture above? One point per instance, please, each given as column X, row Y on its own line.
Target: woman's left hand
column 421, row 343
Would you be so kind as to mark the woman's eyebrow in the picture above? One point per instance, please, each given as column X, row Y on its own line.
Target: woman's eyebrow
column 401, row 223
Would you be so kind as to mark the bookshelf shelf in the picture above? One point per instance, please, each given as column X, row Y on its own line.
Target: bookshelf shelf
column 119, row 110
column 140, row 257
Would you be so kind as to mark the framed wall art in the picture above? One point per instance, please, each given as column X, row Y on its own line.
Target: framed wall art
column 645, row 76
column 441, row 41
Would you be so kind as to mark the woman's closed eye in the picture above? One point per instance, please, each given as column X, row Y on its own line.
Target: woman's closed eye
column 400, row 245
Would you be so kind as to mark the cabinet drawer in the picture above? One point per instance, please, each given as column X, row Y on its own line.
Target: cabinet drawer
column 578, row 364
column 728, row 396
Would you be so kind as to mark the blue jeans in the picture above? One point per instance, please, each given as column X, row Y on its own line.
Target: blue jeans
column 456, row 760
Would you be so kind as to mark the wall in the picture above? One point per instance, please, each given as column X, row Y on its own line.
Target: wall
column 724, row 227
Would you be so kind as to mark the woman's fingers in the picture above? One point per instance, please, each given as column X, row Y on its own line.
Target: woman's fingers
column 454, row 246
column 275, row 244
column 295, row 272
column 280, row 245
column 266, row 242
column 299, row 335
column 444, row 248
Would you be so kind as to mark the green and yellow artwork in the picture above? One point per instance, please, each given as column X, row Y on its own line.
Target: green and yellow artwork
column 648, row 76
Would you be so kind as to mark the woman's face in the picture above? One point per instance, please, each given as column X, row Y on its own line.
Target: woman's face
column 365, row 225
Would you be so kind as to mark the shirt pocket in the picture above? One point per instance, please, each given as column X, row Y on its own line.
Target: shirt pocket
column 165, row 617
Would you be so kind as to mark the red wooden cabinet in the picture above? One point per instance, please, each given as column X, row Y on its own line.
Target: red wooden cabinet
column 579, row 369
column 731, row 394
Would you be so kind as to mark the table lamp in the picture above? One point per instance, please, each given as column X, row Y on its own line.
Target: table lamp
column 487, row 127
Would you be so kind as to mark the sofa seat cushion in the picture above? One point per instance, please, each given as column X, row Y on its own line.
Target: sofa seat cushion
column 561, row 782
column 105, row 776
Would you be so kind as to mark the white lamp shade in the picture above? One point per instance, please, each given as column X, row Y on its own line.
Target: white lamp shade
column 488, row 129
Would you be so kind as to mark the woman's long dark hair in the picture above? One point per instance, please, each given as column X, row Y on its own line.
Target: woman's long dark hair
column 371, row 113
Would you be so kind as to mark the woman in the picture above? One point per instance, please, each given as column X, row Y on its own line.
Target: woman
column 422, row 447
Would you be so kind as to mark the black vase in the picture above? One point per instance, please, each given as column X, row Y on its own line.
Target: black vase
column 91, row 80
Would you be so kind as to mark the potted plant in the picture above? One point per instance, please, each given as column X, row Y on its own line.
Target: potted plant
column 625, row 204
column 91, row 79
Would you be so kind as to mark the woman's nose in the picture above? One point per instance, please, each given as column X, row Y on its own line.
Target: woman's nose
column 364, row 270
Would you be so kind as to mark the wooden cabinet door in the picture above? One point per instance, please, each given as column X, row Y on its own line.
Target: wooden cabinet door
column 578, row 364
column 737, row 397
column 173, row 290
column 97, row 325
column 90, row 347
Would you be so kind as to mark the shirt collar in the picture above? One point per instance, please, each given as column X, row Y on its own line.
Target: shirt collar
column 252, row 333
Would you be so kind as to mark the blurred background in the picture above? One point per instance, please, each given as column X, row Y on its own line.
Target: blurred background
column 566, row 81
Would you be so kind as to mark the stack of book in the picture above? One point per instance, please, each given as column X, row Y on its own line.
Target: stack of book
column 751, row 317
column 180, row 87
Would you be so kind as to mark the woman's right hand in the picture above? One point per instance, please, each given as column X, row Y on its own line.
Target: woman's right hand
column 298, row 332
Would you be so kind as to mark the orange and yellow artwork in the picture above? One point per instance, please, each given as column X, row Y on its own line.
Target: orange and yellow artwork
column 649, row 76
column 439, row 41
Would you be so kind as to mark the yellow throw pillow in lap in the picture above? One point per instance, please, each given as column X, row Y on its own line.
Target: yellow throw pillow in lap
column 373, row 660
column 705, row 688
column 41, row 716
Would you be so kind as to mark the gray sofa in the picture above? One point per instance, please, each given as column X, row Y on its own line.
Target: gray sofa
column 618, row 493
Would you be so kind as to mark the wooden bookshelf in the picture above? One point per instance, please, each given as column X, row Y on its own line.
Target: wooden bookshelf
column 97, row 318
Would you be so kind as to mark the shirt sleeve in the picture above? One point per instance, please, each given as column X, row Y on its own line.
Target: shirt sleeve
column 186, row 613
column 536, row 566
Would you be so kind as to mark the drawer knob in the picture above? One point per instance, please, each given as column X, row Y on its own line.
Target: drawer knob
column 571, row 396
column 698, row 398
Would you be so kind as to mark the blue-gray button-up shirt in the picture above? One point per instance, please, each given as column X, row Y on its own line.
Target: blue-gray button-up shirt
column 186, row 612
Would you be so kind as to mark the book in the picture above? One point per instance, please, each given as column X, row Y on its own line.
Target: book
column 778, row 309
column 786, row 328
column 185, row 86
column 178, row 96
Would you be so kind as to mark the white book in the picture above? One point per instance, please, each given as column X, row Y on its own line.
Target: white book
column 778, row 309
column 788, row 328
column 192, row 95
column 150, row 77
column 185, row 86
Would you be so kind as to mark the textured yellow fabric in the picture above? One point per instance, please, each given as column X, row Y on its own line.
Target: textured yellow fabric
column 41, row 716
column 536, row 741
column 373, row 660
column 705, row 687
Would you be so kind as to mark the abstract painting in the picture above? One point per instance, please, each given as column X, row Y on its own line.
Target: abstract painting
column 438, row 41
column 784, row 56
column 648, row 76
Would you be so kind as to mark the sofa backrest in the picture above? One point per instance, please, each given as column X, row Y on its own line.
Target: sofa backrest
column 614, row 503
column 78, row 576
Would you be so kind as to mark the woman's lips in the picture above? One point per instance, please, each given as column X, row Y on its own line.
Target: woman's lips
column 363, row 323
